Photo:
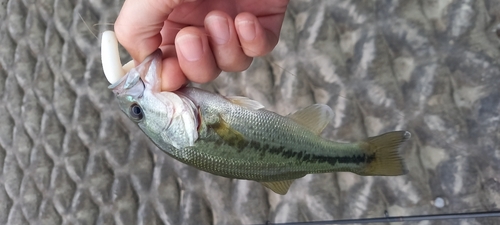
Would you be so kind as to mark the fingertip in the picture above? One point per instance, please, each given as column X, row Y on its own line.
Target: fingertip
column 172, row 77
column 138, row 45
column 204, row 77
column 195, row 56
column 224, row 42
column 191, row 46
column 218, row 25
column 246, row 27
column 254, row 38
column 138, row 26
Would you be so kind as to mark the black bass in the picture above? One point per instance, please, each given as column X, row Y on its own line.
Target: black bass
column 236, row 137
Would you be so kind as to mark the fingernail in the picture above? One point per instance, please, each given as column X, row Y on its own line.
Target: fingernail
column 190, row 46
column 218, row 28
column 247, row 30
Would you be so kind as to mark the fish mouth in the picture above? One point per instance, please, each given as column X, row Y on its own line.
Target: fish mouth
column 127, row 76
column 150, row 70
column 117, row 83
column 147, row 72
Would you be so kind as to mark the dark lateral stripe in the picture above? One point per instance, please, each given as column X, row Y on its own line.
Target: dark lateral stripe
column 237, row 140
column 310, row 158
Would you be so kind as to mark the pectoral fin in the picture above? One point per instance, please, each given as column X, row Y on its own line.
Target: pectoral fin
column 245, row 102
column 314, row 117
column 279, row 187
column 229, row 135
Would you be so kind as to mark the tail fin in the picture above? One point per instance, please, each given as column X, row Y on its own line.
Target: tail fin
column 385, row 159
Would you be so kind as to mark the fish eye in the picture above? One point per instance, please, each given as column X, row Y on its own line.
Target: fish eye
column 136, row 112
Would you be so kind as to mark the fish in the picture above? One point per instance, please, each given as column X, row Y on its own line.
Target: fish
column 236, row 137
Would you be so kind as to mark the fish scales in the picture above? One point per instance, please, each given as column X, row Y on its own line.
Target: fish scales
column 275, row 145
column 236, row 137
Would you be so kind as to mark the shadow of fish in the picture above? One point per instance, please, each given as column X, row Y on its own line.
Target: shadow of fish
column 236, row 137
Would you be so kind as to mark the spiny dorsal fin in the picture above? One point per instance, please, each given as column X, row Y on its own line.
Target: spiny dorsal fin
column 279, row 187
column 245, row 102
column 314, row 117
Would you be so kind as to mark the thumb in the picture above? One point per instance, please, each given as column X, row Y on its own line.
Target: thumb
column 139, row 24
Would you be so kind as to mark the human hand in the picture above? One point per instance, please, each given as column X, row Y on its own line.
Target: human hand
column 237, row 31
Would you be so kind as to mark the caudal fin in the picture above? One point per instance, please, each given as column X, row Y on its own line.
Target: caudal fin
column 384, row 159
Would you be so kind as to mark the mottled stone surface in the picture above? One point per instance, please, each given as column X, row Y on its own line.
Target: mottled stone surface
column 69, row 156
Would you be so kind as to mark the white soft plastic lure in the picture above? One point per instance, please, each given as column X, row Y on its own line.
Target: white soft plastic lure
column 111, row 63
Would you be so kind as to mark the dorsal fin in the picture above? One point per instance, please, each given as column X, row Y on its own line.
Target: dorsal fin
column 279, row 187
column 314, row 117
column 245, row 102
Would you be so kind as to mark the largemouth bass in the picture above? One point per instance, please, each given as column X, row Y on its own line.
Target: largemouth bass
column 236, row 137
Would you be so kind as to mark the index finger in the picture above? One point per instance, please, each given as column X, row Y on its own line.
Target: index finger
column 139, row 24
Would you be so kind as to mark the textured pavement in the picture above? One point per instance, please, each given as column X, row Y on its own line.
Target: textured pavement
column 69, row 156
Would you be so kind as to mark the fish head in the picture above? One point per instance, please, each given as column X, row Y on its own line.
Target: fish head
column 132, row 90
column 167, row 118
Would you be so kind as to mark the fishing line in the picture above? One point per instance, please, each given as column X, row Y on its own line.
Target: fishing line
column 86, row 25
column 452, row 216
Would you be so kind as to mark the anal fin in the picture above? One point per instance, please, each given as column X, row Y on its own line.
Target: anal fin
column 279, row 187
